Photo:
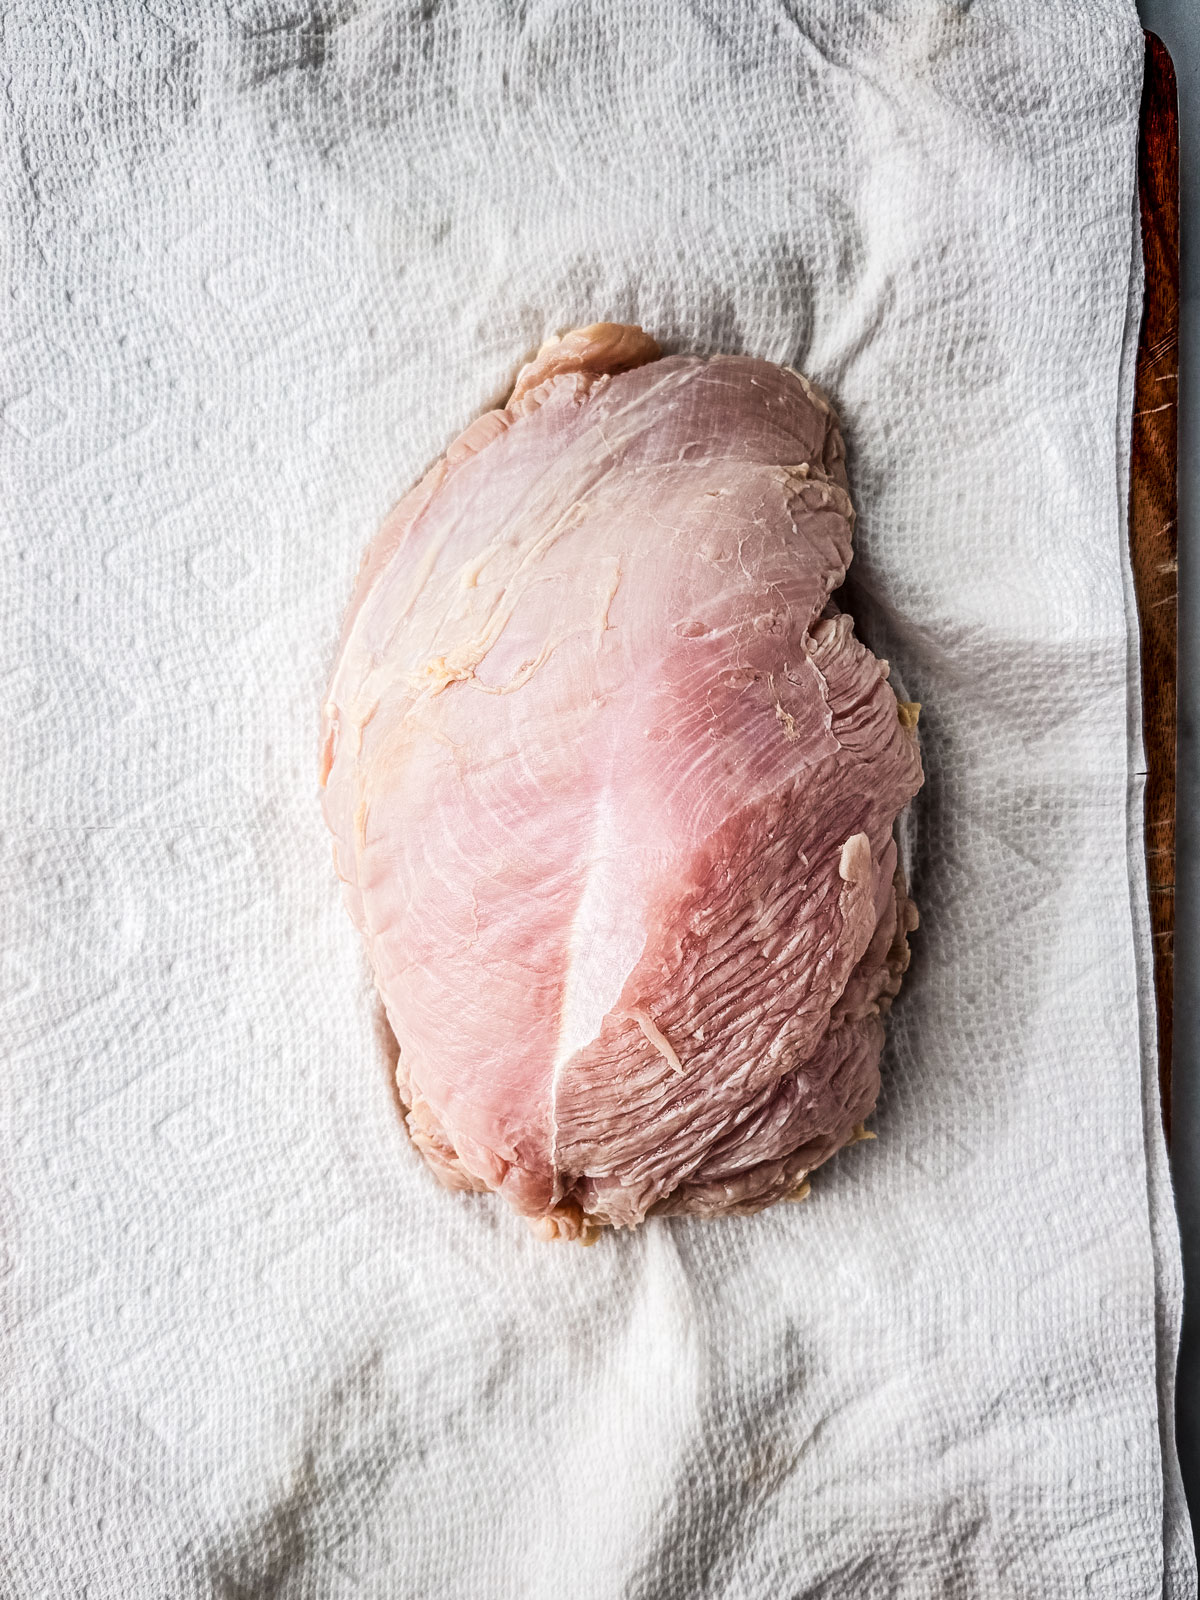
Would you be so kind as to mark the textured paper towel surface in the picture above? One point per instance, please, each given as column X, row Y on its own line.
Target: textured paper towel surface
column 263, row 261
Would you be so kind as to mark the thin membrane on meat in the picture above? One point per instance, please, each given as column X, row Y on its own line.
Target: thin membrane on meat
column 612, row 786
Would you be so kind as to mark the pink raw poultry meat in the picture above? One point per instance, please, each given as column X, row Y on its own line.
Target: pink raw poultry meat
column 612, row 786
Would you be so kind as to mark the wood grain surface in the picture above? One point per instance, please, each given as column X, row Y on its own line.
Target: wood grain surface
column 1152, row 510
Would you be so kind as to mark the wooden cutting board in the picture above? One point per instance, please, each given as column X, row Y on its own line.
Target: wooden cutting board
column 1152, row 513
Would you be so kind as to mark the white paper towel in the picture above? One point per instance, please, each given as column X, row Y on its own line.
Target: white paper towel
column 264, row 260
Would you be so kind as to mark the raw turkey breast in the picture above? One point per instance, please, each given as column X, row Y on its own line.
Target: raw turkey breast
column 612, row 786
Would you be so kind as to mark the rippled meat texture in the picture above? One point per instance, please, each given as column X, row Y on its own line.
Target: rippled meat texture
column 612, row 787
